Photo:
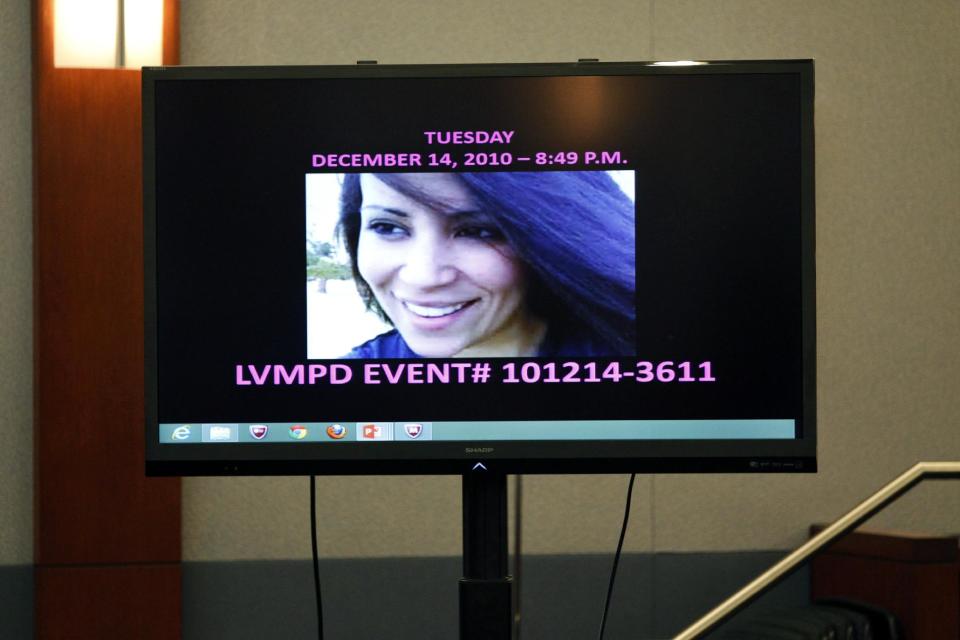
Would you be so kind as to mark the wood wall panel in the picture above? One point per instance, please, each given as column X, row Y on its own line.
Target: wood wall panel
column 93, row 504
column 916, row 577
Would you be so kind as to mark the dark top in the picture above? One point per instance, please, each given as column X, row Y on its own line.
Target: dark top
column 392, row 345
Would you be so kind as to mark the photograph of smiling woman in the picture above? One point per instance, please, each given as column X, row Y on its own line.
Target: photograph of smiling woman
column 492, row 264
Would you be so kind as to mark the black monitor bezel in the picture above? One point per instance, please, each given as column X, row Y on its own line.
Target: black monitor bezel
column 440, row 458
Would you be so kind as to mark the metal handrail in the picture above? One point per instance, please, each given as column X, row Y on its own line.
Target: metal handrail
column 844, row 524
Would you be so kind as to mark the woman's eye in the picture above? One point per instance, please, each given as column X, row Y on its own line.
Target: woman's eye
column 386, row 229
column 480, row 233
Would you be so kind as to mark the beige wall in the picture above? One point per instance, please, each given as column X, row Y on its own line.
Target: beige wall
column 16, row 288
column 888, row 216
column 411, row 31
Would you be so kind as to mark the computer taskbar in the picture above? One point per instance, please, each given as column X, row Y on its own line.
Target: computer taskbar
column 450, row 431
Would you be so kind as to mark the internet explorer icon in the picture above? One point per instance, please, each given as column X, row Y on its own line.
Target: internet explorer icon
column 182, row 432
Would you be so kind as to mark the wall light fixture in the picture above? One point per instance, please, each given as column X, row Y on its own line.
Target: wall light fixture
column 105, row 34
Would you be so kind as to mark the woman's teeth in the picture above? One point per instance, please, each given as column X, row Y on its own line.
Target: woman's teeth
column 434, row 312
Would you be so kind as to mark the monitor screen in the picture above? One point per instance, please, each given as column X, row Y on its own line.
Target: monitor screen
column 550, row 268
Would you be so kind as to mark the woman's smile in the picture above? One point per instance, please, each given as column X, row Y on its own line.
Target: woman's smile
column 435, row 310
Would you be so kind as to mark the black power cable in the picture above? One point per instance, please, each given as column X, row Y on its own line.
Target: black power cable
column 316, row 561
column 616, row 557
column 517, row 554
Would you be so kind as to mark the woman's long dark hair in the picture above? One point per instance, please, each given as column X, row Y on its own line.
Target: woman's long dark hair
column 574, row 230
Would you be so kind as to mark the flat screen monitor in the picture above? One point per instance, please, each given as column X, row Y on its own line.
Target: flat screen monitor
column 537, row 268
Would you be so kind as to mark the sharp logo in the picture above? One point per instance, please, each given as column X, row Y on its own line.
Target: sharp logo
column 479, row 450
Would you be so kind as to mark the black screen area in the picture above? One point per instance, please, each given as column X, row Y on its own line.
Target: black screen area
column 492, row 246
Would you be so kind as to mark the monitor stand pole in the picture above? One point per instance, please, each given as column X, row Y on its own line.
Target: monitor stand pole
column 485, row 588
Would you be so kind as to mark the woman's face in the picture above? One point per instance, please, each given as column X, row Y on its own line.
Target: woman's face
column 445, row 276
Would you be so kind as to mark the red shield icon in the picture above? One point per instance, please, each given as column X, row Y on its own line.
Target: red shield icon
column 259, row 431
column 413, row 429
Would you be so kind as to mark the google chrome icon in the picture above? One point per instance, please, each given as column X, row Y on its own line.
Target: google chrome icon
column 298, row 432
